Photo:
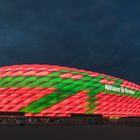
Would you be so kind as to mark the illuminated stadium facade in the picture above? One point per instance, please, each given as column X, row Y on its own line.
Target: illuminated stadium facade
column 56, row 91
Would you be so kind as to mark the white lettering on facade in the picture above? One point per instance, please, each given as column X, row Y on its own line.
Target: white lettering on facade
column 119, row 89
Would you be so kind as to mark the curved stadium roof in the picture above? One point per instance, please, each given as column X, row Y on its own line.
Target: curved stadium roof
column 45, row 90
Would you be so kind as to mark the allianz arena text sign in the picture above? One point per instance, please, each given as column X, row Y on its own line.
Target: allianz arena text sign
column 118, row 89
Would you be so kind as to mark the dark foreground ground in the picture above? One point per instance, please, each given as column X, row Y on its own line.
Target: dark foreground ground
column 70, row 133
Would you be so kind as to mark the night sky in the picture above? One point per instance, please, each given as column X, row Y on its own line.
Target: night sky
column 96, row 35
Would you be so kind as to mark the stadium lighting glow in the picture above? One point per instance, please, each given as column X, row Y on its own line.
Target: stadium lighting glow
column 45, row 90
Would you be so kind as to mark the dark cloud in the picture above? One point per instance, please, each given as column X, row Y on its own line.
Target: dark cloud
column 97, row 35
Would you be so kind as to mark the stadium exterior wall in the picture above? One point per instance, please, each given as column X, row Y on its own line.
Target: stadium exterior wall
column 45, row 90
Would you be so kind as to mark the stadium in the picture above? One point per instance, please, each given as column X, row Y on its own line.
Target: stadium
column 42, row 92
